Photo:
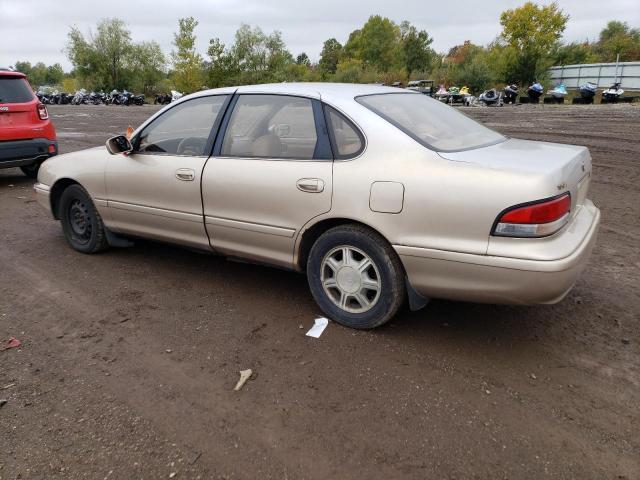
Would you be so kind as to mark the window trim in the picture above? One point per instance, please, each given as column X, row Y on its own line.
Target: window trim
column 334, row 144
column 210, row 139
column 415, row 137
column 322, row 135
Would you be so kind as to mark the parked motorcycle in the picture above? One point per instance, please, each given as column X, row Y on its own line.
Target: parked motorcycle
column 535, row 92
column 588, row 92
column 162, row 99
column 490, row 98
column 613, row 93
column 80, row 97
column 137, row 100
column 510, row 93
column 558, row 92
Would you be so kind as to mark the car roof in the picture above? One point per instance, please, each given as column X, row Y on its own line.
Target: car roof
column 11, row 73
column 327, row 91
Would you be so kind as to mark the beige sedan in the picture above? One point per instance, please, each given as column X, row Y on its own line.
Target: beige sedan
column 383, row 196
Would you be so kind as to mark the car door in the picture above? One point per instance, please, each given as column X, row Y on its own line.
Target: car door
column 154, row 192
column 270, row 174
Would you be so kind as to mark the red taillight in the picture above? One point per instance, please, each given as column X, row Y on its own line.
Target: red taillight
column 536, row 219
column 42, row 112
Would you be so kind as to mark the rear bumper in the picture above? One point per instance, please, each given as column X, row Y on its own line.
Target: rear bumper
column 18, row 153
column 503, row 280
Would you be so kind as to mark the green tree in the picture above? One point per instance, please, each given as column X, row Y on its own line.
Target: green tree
column 147, row 67
column 85, row 59
column 113, row 47
column 259, row 58
column 187, row 62
column 54, row 75
column 330, row 56
column 378, row 44
column 102, row 61
column 221, row 69
column 24, row 67
column 574, row 54
column 303, row 59
column 617, row 38
column 532, row 31
column 418, row 53
column 474, row 73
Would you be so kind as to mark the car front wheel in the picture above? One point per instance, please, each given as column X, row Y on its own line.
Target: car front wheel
column 356, row 277
column 81, row 222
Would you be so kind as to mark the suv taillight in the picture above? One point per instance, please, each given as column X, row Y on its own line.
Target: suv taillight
column 535, row 219
column 42, row 112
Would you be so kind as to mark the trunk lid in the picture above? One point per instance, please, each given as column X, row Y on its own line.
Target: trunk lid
column 559, row 168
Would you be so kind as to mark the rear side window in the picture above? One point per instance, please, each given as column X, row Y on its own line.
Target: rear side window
column 271, row 126
column 430, row 122
column 15, row 90
column 347, row 139
column 183, row 130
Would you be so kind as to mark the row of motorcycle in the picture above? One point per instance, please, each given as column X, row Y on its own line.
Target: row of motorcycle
column 509, row 94
column 115, row 97
column 82, row 97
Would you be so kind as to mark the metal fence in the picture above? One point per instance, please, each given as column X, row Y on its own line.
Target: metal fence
column 603, row 74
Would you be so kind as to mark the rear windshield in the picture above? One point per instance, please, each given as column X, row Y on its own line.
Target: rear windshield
column 435, row 125
column 15, row 90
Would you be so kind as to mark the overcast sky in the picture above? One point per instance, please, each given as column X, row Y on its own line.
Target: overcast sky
column 35, row 30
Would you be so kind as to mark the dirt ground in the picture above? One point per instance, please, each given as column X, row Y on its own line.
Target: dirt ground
column 129, row 358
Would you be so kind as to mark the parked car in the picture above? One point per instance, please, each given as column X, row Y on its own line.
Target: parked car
column 381, row 195
column 27, row 136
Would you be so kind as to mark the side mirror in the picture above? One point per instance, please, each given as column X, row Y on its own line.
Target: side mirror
column 119, row 144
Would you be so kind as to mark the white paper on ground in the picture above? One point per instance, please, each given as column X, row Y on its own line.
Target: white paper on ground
column 318, row 327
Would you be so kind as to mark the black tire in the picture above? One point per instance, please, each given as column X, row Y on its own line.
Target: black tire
column 387, row 269
column 81, row 222
column 31, row 171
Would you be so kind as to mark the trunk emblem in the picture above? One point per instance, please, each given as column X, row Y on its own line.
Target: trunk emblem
column 4, row 109
column 562, row 186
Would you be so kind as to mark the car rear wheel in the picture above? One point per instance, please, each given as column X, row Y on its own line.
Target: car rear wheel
column 356, row 277
column 81, row 222
column 31, row 171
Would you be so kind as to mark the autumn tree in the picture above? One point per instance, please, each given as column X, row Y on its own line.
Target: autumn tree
column 532, row 32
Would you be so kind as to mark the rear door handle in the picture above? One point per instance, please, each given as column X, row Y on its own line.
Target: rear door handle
column 311, row 185
column 185, row 174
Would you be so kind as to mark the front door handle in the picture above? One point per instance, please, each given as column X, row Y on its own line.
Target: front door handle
column 185, row 174
column 311, row 185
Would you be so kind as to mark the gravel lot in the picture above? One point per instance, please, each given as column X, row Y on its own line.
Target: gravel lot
column 129, row 358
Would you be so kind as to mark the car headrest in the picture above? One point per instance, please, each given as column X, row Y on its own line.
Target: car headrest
column 267, row 146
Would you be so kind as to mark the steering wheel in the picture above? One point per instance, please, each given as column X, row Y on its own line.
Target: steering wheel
column 192, row 146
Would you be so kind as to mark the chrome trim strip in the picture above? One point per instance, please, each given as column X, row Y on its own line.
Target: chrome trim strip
column 176, row 215
column 252, row 227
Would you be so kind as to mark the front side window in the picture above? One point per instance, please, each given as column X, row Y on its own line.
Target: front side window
column 183, row 130
column 430, row 122
column 271, row 126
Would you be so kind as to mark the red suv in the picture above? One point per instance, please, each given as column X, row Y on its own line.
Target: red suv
column 27, row 136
